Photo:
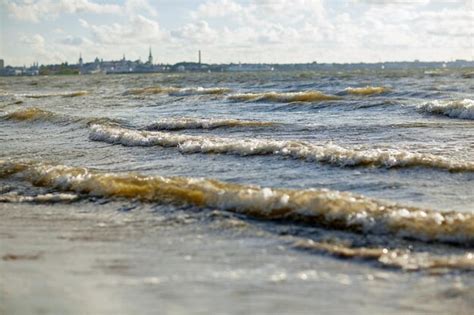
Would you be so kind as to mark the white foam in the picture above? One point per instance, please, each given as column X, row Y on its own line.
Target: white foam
column 283, row 97
column 324, row 153
column 199, row 91
column 55, row 94
column 463, row 109
column 42, row 198
column 333, row 209
column 202, row 123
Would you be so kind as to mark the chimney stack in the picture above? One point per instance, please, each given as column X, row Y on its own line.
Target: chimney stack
column 199, row 53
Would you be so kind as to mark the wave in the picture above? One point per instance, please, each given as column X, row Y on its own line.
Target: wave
column 287, row 97
column 150, row 90
column 463, row 109
column 323, row 153
column 200, row 91
column 178, row 91
column 61, row 94
column 319, row 207
column 204, row 123
column 368, row 90
column 392, row 258
column 41, row 198
column 34, row 114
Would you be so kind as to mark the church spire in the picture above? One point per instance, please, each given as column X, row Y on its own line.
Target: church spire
column 150, row 57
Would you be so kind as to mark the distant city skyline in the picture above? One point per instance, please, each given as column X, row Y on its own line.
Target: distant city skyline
column 254, row 31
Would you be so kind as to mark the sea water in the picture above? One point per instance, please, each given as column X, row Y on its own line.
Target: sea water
column 272, row 192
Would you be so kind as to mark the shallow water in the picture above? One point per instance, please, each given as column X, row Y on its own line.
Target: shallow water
column 286, row 177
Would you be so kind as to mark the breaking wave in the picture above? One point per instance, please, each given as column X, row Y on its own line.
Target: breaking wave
column 392, row 258
column 200, row 91
column 463, row 109
column 204, row 123
column 62, row 94
column 288, row 97
column 150, row 90
column 34, row 114
column 368, row 90
column 178, row 91
column 319, row 207
column 41, row 198
column 324, row 153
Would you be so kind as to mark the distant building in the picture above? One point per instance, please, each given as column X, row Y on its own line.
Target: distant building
column 2, row 64
column 31, row 71
column 150, row 58
column 249, row 68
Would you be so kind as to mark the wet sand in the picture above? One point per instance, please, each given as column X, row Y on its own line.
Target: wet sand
column 71, row 259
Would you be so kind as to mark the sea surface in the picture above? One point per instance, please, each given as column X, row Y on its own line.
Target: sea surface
column 231, row 193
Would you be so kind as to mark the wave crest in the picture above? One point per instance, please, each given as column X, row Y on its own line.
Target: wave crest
column 200, row 91
column 401, row 259
column 287, row 97
column 323, row 153
column 178, row 91
column 321, row 207
column 62, row 94
column 42, row 198
column 204, row 123
column 463, row 109
column 33, row 114
column 368, row 90
column 150, row 90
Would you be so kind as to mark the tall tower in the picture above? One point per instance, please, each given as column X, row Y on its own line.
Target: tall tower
column 199, row 57
column 80, row 60
column 150, row 57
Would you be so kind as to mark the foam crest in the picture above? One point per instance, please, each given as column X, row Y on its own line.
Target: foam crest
column 42, row 198
column 368, row 90
column 319, row 207
column 34, row 114
column 323, row 153
column 463, row 109
column 61, row 94
column 200, row 91
column 286, row 97
column 203, row 123
column 393, row 258
column 150, row 90
column 178, row 91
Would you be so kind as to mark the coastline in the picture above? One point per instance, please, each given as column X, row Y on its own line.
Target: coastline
column 76, row 260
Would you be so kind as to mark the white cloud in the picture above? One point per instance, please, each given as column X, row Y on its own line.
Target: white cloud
column 138, row 29
column 198, row 32
column 217, row 8
column 261, row 30
column 137, row 6
column 36, row 10
column 404, row 27
column 72, row 40
column 37, row 41
column 41, row 50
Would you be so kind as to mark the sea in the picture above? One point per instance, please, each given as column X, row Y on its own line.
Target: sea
column 238, row 193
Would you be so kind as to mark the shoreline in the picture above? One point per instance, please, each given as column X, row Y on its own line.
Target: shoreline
column 80, row 259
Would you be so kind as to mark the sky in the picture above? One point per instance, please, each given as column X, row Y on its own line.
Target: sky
column 258, row 31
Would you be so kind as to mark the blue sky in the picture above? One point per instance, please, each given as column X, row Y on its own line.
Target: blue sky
column 53, row 31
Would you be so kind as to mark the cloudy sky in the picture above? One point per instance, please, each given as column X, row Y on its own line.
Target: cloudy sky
column 53, row 31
